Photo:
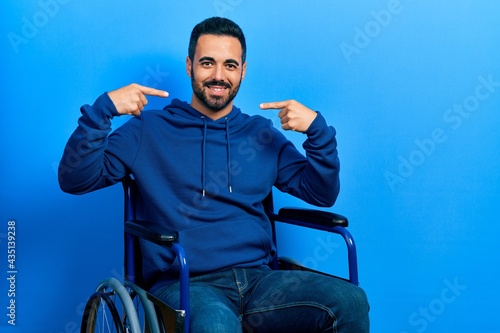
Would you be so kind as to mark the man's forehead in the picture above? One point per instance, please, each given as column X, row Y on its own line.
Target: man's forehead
column 216, row 46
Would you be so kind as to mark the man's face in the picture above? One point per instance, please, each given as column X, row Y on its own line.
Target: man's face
column 216, row 73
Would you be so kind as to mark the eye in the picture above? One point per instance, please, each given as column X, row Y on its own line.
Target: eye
column 206, row 63
column 231, row 66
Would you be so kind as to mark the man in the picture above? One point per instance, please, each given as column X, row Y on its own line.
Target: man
column 203, row 169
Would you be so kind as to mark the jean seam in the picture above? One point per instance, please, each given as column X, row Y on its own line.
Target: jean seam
column 297, row 304
column 245, row 285
column 240, row 288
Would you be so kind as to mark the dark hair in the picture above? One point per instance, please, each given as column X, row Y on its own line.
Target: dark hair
column 217, row 26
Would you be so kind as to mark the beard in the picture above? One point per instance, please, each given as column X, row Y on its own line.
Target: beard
column 214, row 103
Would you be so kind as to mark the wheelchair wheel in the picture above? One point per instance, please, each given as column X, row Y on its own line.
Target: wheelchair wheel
column 110, row 309
column 145, row 309
column 101, row 314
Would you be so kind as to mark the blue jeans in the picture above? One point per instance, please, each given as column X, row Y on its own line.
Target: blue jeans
column 262, row 300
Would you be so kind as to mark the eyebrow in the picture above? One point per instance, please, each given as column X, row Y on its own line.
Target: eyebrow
column 228, row 61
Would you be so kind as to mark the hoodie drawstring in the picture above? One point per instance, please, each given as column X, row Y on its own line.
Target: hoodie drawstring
column 203, row 154
column 228, row 147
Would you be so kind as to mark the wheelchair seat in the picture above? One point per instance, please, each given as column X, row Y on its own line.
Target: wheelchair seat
column 124, row 306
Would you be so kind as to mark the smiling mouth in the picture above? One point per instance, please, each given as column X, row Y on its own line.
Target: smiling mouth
column 217, row 90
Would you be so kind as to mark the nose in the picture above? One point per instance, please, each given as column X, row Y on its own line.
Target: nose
column 218, row 73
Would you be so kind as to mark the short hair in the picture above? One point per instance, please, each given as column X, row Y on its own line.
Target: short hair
column 218, row 26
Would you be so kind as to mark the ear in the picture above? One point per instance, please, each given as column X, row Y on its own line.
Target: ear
column 189, row 66
column 243, row 70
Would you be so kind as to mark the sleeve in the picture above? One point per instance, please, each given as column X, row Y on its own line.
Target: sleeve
column 315, row 177
column 90, row 161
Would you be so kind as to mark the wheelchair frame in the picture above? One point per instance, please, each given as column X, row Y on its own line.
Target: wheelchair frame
column 158, row 317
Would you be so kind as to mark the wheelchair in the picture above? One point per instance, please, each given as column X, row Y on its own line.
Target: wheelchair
column 123, row 306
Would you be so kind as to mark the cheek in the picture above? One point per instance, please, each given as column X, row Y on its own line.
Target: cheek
column 200, row 76
column 235, row 79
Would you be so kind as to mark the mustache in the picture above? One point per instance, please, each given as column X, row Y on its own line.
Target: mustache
column 217, row 83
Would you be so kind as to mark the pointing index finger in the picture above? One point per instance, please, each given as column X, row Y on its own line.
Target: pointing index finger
column 152, row 91
column 273, row 105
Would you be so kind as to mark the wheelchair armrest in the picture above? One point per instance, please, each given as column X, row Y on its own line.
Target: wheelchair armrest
column 312, row 217
column 151, row 232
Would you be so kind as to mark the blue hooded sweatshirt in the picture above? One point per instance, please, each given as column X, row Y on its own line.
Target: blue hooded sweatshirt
column 204, row 179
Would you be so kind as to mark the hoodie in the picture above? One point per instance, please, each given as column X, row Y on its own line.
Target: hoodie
column 204, row 178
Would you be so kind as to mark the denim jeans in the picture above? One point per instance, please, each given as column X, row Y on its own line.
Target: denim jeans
column 262, row 300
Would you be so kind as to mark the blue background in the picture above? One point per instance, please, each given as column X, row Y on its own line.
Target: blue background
column 405, row 83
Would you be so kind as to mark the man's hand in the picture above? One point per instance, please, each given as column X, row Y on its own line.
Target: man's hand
column 131, row 99
column 294, row 116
